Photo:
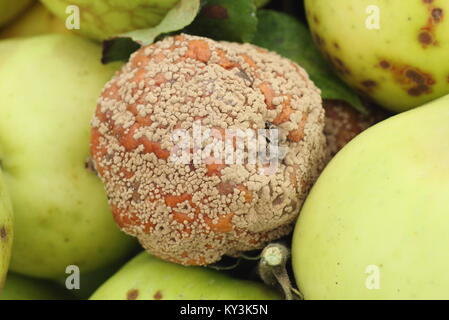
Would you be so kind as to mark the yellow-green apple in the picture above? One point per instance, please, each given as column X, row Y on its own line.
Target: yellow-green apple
column 375, row 225
column 34, row 21
column 6, row 230
column 19, row 287
column 9, row 9
column 102, row 19
column 49, row 86
column 394, row 53
column 148, row 278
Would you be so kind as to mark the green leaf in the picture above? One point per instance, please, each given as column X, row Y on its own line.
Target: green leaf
column 180, row 16
column 229, row 20
column 287, row 36
column 118, row 49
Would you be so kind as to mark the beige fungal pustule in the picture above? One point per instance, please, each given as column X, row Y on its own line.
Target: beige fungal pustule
column 194, row 213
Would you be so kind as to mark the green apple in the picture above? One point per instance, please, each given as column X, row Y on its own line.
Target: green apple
column 9, row 9
column 375, row 225
column 6, row 230
column 394, row 53
column 91, row 281
column 34, row 21
column 102, row 19
column 49, row 86
column 19, row 287
column 148, row 278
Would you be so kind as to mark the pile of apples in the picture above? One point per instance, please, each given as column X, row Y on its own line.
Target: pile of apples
column 375, row 225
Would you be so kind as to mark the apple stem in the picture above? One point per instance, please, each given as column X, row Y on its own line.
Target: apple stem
column 224, row 268
column 250, row 258
column 273, row 269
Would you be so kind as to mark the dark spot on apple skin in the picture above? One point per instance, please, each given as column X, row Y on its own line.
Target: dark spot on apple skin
column 384, row 64
column 413, row 80
column 437, row 14
column 339, row 66
column 3, row 234
column 427, row 34
column 425, row 38
column 336, row 46
column 427, row 1
column 158, row 295
column 417, row 91
column 318, row 40
column 414, row 76
column 132, row 294
column 369, row 83
column 215, row 11
column 339, row 61
column 316, row 20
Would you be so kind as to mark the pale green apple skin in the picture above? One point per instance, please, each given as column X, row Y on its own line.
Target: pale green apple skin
column 36, row 20
column 19, row 287
column 102, row 19
column 375, row 62
column 9, row 9
column 6, row 230
column 382, row 201
column 49, row 86
column 148, row 278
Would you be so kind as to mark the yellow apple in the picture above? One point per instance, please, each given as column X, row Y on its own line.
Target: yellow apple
column 35, row 21
column 9, row 9
column 6, row 230
column 375, row 225
column 48, row 87
column 102, row 19
column 394, row 52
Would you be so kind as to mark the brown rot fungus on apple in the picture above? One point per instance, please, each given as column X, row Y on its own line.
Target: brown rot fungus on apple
column 343, row 123
column 167, row 143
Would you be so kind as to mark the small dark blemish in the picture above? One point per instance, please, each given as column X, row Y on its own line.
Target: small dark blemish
column 336, row 45
column 369, row 83
column 414, row 76
column 417, row 91
column 158, row 295
column 319, row 41
column 425, row 38
column 3, row 233
column 132, row 294
column 427, row 1
column 437, row 14
column 384, row 64
column 315, row 18
column 339, row 62
column 215, row 11
column 339, row 66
